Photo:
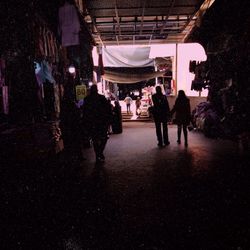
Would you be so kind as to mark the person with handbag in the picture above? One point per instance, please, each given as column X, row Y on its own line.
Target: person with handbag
column 182, row 112
column 161, row 115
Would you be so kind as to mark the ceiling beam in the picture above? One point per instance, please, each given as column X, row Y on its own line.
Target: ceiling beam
column 117, row 18
column 167, row 16
column 146, row 33
column 97, row 32
column 153, row 30
column 145, row 21
column 148, row 7
column 196, row 16
column 142, row 16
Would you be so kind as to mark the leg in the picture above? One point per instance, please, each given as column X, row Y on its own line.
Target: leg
column 96, row 145
column 99, row 145
column 165, row 133
column 158, row 132
column 179, row 133
column 185, row 134
column 102, row 147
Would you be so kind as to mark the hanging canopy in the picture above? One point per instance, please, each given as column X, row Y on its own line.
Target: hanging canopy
column 128, row 78
column 124, row 56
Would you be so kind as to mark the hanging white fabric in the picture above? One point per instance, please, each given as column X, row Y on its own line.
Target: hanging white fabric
column 129, row 57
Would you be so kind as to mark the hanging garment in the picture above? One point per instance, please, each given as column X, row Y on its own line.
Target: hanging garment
column 192, row 66
column 2, row 72
column 69, row 25
column 5, row 93
column 43, row 72
column 47, row 70
column 39, row 73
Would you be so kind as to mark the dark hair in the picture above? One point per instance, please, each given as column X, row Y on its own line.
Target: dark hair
column 181, row 94
column 117, row 103
column 93, row 89
column 158, row 90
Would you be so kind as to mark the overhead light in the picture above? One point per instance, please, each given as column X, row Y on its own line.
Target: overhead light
column 72, row 69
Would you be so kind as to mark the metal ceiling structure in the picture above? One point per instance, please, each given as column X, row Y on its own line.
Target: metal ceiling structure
column 119, row 22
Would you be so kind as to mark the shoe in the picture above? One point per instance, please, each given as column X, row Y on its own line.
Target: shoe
column 99, row 160
column 186, row 144
column 167, row 143
column 179, row 141
column 160, row 145
column 102, row 157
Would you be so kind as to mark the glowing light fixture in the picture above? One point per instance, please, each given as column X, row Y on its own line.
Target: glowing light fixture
column 72, row 69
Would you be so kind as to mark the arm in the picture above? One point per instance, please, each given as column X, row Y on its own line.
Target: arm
column 173, row 109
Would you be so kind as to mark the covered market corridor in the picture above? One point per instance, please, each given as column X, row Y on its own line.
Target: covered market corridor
column 143, row 197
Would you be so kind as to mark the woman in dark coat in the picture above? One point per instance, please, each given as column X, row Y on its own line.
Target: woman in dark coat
column 182, row 116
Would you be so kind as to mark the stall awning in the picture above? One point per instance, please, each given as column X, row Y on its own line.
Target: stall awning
column 124, row 56
column 127, row 78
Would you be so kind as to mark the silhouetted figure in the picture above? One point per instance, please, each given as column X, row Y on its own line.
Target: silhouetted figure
column 117, row 119
column 97, row 117
column 161, row 115
column 128, row 100
column 138, row 105
column 70, row 123
column 182, row 116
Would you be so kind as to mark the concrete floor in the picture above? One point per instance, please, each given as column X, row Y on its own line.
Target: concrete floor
column 143, row 197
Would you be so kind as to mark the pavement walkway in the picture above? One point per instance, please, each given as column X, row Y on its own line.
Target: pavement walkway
column 143, row 197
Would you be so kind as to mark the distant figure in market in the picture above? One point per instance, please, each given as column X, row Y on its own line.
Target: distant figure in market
column 97, row 116
column 117, row 118
column 138, row 105
column 128, row 100
column 161, row 114
column 182, row 116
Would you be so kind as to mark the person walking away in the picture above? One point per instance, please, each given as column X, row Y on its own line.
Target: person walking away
column 138, row 105
column 161, row 115
column 97, row 117
column 70, row 120
column 182, row 115
column 117, row 118
column 128, row 100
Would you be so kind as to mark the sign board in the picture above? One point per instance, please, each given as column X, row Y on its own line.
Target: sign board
column 81, row 92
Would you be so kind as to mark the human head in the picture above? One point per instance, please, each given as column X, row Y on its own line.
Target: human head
column 158, row 90
column 93, row 89
column 181, row 94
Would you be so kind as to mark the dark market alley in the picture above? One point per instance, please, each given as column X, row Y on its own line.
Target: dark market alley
column 143, row 197
column 86, row 86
